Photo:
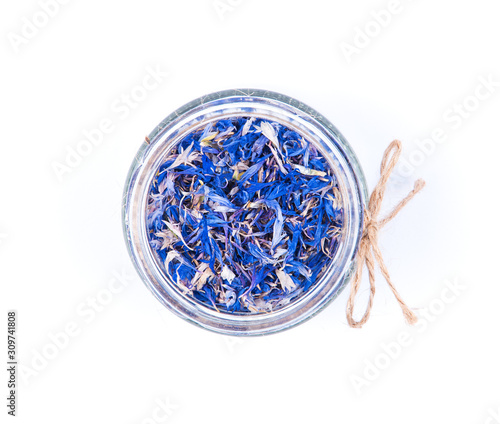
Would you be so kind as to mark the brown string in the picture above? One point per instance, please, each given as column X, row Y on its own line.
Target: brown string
column 369, row 252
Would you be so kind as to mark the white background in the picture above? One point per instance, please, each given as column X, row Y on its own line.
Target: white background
column 61, row 238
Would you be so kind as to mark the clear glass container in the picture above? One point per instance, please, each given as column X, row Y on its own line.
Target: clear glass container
column 249, row 103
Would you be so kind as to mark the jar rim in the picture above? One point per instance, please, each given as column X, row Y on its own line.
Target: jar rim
column 244, row 102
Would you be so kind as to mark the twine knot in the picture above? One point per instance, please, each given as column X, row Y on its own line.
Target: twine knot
column 369, row 251
column 371, row 228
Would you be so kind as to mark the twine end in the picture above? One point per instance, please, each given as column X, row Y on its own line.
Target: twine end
column 419, row 185
column 410, row 316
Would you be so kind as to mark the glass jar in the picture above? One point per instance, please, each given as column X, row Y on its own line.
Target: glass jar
column 298, row 117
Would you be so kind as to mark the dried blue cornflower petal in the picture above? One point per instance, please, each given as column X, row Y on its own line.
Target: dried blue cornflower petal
column 244, row 215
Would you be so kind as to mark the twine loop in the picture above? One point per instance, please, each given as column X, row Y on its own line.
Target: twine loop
column 369, row 251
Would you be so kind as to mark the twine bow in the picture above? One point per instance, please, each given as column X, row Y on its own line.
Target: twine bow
column 369, row 252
